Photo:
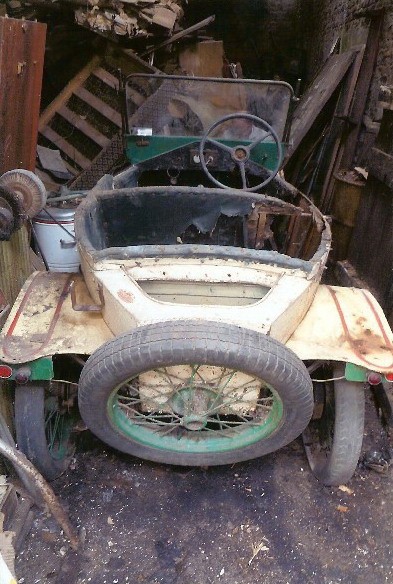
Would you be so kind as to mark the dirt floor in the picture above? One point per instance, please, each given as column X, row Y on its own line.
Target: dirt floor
column 266, row 520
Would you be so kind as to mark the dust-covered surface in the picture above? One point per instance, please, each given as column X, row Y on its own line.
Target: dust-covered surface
column 266, row 520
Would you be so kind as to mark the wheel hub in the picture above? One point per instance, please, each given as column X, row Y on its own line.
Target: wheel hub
column 193, row 404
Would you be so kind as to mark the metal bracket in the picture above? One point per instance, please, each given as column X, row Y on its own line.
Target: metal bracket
column 86, row 307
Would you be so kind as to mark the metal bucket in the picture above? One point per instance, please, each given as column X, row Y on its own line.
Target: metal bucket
column 55, row 233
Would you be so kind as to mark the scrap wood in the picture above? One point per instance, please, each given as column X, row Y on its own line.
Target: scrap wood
column 316, row 97
column 20, row 461
column 131, row 18
column 128, row 18
column 181, row 34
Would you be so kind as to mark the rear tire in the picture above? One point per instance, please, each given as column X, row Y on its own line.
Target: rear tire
column 333, row 442
column 191, row 367
column 39, row 429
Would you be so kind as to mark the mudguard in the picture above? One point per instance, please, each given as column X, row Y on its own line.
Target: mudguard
column 342, row 324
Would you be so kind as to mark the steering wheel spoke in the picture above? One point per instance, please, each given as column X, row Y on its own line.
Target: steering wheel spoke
column 219, row 145
column 243, row 175
column 258, row 141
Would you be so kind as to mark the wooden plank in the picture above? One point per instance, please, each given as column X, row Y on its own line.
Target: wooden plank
column 337, row 132
column 316, row 97
column 363, row 87
column 163, row 17
column 69, row 89
column 99, row 105
column 106, row 77
column 372, row 255
column 22, row 49
column 298, row 233
column 15, row 264
column 256, row 229
column 84, row 126
column 344, row 151
column 65, row 147
column 204, row 59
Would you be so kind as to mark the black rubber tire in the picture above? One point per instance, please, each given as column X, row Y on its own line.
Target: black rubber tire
column 344, row 418
column 30, row 430
column 187, row 342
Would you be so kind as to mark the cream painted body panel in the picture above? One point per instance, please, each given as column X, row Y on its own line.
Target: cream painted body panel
column 342, row 324
column 127, row 306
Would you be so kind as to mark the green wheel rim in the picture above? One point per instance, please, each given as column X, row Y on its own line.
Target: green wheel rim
column 195, row 409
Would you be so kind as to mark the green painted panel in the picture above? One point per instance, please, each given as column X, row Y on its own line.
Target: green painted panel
column 41, row 369
column 142, row 148
column 355, row 373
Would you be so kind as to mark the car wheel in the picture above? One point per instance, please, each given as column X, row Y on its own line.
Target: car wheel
column 195, row 393
column 333, row 439
column 44, row 421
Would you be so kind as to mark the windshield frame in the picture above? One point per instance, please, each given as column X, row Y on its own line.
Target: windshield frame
column 214, row 80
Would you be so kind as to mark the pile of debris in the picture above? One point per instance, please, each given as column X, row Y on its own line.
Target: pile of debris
column 130, row 18
column 112, row 18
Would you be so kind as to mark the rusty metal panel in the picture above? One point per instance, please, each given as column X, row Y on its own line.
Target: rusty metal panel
column 22, row 49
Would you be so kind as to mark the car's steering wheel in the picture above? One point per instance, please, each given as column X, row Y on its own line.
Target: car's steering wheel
column 241, row 153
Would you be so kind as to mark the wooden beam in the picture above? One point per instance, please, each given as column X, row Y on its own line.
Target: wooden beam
column 339, row 132
column 179, row 35
column 362, row 88
column 22, row 48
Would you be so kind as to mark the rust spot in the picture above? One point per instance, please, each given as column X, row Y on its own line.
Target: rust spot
column 125, row 296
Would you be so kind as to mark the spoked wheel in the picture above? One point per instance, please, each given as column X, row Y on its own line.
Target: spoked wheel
column 190, row 393
column 44, row 419
column 333, row 439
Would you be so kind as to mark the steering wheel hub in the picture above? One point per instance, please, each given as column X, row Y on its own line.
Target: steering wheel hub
column 241, row 154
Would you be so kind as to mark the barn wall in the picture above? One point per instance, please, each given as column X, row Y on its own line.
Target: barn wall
column 371, row 248
column 333, row 18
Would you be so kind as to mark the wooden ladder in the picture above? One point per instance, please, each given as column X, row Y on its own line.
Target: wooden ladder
column 84, row 121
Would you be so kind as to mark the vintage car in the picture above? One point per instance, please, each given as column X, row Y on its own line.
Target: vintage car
column 210, row 338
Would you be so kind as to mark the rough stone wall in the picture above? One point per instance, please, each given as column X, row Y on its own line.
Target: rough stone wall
column 331, row 18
